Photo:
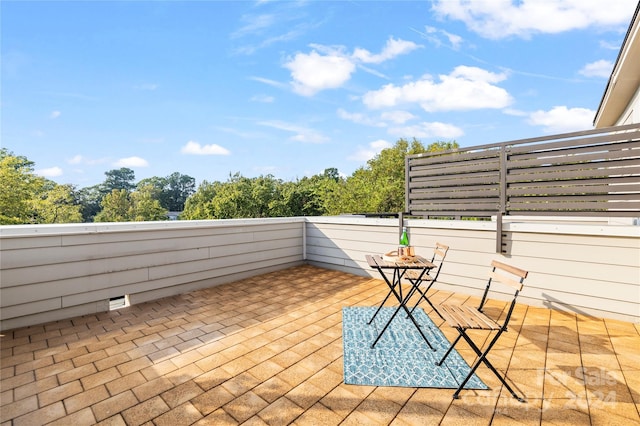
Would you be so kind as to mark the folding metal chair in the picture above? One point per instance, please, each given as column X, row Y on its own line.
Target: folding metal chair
column 417, row 277
column 465, row 317
column 439, row 254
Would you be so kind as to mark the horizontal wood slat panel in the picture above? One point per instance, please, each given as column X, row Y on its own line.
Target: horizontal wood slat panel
column 616, row 184
column 447, row 204
column 450, row 193
column 602, row 168
column 594, row 206
column 602, row 140
column 586, row 173
column 453, row 213
column 460, row 181
column 456, row 167
column 570, row 157
column 429, row 159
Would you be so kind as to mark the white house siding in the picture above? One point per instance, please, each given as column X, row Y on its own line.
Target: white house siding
column 54, row 272
column 631, row 113
column 587, row 268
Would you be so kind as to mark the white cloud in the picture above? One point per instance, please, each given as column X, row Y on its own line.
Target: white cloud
column 79, row 159
column 367, row 153
column 55, row 114
column 313, row 72
column 609, row 45
column 131, row 162
column 194, row 148
column 502, row 18
column 76, row 159
column 398, row 117
column 392, row 49
column 599, row 68
column 329, row 67
column 269, row 82
column 359, row 118
column 561, row 119
column 427, row 130
column 434, row 35
column 49, row 172
column 255, row 24
column 515, row 112
column 466, row 88
column 302, row 134
column 309, row 137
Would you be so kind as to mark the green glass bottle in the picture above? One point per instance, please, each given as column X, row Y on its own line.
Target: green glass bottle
column 404, row 238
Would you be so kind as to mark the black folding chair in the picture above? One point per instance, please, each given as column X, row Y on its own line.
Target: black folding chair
column 465, row 317
column 439, row 254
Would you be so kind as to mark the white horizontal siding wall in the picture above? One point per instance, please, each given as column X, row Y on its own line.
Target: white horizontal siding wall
column 51, row 272
column 592, row 269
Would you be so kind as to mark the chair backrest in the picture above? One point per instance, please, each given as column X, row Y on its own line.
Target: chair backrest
column 508, row 275
column 439, row 253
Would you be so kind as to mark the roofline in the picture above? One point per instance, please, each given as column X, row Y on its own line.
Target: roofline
column 617, row 64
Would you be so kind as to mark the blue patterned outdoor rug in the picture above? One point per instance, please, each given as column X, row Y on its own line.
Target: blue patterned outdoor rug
column 401, row 357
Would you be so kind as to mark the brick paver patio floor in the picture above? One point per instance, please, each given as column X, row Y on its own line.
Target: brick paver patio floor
column 268, row 350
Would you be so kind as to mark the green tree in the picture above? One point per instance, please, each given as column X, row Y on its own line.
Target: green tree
column 145, row 207
column 179, row 188
column 18, row 185
column 122, row 178
column 124, row 206
column 379, row 186
column 156, row 185
column 197, row 205
column 233, row 199
column 116, row 207
column 313, row 196
column 28, row 198
column 172, row 191
column 239, row 197
column 57, row 204
column 89, row 199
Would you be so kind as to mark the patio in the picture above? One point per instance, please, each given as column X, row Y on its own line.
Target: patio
column 268, row 350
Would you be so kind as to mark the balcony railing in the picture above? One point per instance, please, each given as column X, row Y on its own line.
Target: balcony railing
column 52, row 272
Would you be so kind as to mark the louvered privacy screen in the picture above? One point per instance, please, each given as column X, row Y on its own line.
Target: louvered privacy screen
column 590, row 173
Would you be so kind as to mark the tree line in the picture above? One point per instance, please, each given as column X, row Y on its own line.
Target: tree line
column 377, row 187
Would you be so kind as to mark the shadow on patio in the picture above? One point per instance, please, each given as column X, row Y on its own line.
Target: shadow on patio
column 268, row 350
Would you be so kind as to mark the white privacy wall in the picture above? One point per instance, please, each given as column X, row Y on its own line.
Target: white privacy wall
column 590, row 268
column 52, row 272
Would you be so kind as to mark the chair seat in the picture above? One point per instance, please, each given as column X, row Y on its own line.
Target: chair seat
column 466, row 317
column 414, row 275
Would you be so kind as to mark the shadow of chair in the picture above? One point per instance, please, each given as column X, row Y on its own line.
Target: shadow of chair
column 465, row 317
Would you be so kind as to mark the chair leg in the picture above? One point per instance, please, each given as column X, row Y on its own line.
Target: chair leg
column 439, row 363
column 423, row 295
column 482, row 358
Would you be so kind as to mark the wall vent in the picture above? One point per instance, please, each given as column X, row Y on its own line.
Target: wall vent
column 118, row 302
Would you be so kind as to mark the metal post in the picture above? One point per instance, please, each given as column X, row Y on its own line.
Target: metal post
column 502, row 207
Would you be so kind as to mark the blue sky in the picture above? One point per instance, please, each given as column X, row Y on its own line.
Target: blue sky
column 290, row 88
